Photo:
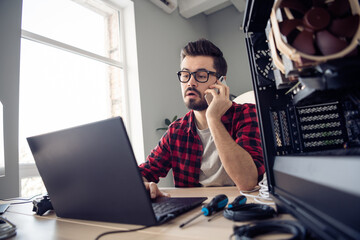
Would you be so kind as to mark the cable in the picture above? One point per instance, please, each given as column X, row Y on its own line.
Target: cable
column 121, row 231
column 263, row 193
column 20, row 199
column 25, row 200
column 135, row 229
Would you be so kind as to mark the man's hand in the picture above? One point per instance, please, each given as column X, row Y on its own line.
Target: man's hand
column 154, row 190
column 220, row 102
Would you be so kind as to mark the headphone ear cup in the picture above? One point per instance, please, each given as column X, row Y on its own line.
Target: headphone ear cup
column 248, row 212
column 262, row 228
column 229, row 214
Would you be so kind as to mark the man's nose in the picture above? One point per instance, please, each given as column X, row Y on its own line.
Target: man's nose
column 192, row 81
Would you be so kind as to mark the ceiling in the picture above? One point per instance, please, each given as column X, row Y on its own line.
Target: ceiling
column 190, row 8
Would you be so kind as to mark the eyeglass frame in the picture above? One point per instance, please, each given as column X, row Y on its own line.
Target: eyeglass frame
column 194, row 75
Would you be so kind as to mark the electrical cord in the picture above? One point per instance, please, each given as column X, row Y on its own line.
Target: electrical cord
column 252, row 230
column 28, row 200
column 121, row 231
column 263, row 196
column 171, row 216
column 24, row 200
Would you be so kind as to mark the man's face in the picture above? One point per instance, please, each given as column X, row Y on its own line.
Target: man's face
column 193, row 91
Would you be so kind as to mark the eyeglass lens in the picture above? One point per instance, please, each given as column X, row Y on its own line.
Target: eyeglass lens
column 200, row 76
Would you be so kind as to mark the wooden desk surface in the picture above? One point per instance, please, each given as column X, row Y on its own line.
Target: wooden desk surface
column 30, row 226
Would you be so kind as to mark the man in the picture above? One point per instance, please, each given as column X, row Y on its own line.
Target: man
column 217, row 143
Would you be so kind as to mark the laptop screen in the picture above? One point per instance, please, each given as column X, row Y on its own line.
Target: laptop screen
column 90, row 172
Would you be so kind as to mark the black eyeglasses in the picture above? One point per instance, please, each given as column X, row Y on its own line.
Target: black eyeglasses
column 201, row 76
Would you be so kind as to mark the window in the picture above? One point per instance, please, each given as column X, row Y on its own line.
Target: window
column 71, row 71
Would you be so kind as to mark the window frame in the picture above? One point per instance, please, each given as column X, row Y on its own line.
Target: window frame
column 131, row 94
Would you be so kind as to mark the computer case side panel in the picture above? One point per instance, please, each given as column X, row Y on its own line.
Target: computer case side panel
column 312, row 187
column 265, row 97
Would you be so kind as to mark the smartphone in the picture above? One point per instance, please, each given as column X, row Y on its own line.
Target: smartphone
column 209, row 97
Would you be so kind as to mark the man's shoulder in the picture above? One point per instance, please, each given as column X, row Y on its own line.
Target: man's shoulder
column 182, row 123
column 244, row 107
column 240, row 112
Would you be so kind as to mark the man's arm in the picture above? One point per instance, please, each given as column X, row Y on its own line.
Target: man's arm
column 157, row 165
column 237, row 162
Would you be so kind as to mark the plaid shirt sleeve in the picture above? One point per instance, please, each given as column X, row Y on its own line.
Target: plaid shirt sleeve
column 248, row 135
column 179, row 149
column 158, row 162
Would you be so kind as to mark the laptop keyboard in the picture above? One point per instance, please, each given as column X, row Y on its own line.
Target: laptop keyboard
column 166, row 208
column 165, row 205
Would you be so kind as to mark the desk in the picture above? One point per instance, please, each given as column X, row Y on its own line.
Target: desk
column 30, row 226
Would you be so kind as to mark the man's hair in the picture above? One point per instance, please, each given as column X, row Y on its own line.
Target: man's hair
column 204, row 47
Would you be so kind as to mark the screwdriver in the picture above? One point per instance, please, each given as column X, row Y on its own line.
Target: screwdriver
column 240, row 200
column 217, row 203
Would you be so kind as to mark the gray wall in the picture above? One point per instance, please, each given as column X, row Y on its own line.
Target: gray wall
column 224, row 31
column 10, row 30
column 160, row 37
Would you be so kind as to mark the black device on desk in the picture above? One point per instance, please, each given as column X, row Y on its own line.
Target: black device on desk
column 90, row 173
column 42, row 205
column 307, row 89
column 7, row 228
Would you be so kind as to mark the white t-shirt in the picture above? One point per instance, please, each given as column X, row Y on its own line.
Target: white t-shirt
column 212, row 172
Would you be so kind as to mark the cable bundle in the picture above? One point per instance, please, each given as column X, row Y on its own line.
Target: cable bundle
column 263, row 194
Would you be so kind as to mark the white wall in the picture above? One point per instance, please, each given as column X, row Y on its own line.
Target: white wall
column 160, row 37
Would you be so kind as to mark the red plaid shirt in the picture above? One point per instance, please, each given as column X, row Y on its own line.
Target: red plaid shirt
column 181, row 149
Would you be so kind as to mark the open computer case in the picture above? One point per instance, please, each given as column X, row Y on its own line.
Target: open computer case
column 305, row 65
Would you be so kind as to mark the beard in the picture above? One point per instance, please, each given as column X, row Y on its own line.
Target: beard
column 194, row 104
column 197, row 106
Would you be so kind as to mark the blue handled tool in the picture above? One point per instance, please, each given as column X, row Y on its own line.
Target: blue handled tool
column 218, row 203
column 240, row 200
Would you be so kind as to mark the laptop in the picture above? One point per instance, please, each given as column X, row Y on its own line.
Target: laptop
column 90, row 173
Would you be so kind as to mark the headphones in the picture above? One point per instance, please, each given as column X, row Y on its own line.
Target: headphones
column 248, row 212
column 239, row 211
column 253, row 230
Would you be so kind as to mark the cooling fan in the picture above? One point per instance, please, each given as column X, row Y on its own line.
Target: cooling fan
column 311, row 32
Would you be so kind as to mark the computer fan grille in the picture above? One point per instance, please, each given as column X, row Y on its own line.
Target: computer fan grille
column 309, row 128
column 321, row 127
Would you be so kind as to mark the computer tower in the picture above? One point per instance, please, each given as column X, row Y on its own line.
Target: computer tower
column 307, row 90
